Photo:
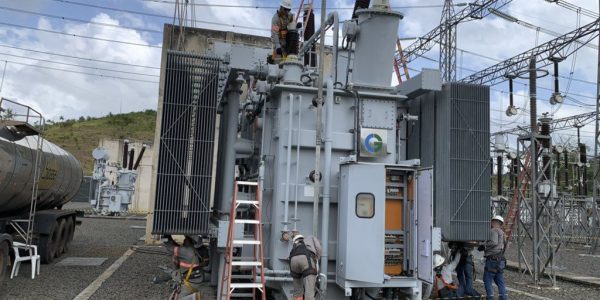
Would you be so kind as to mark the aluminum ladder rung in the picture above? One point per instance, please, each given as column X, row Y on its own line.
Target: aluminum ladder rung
column 246, row 285
column 246, row 263
column 249, row 202
column 246, row 242
column 244, row 221
column 246, row 183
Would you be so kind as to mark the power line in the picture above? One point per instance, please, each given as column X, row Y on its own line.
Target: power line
column 78, row 20
column 80, row 66
column 276, row 7
column 157, row 15
column 79, row 36
column 79, row 57
column 575, row 8
column 79, row 72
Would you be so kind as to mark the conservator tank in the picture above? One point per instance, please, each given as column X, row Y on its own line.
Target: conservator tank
column 61, row 173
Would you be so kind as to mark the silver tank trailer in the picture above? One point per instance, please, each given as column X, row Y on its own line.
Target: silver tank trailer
column 61, row 174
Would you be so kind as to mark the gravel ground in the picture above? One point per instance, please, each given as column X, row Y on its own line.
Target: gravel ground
column 94, row 238
column 98, row 237
column 562, row 291
column 572, row 258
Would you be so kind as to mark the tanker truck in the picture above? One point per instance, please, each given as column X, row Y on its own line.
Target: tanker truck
column 23, row 152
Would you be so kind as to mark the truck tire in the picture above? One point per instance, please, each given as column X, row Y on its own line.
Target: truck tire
column 47, row 246
column 70, row 228
column 61, row 237
column 4, row 258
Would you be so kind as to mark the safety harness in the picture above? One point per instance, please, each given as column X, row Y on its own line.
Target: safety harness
column 284, row 20
column 193, row 270
column 300, row 249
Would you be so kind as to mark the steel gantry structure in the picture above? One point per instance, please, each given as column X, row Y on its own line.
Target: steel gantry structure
column 535, row 205
column 448, row 43
column 596, row 162
column 562, row 47
column 445, row 35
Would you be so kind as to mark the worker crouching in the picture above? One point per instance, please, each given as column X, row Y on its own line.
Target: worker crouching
column 189, row 259
column 304, row 266
column 443, row 285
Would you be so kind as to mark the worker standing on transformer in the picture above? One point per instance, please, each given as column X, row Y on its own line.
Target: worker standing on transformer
column 282, row 19
column 442, row 283
column 304, row 266
column 494, row 260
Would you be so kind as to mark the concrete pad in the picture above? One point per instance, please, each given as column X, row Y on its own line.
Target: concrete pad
column 82, row 262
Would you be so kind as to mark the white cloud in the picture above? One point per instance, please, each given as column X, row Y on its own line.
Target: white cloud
column 71, row 95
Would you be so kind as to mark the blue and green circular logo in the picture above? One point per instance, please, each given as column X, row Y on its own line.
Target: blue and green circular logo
column 373, row 143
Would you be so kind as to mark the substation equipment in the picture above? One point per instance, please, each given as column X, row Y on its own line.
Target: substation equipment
column 403, row 167
column 113, row 185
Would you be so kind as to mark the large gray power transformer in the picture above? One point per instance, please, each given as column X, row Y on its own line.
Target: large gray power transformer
column 226, row 115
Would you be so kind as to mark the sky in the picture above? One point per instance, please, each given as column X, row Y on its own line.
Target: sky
column 75, row 58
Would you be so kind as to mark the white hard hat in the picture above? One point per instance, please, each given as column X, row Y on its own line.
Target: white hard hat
column 297, row 237
column 438, row 260
column 286, row 4
column 499, row 219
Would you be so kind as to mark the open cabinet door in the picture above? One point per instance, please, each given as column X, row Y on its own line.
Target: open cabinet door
column 424, row 204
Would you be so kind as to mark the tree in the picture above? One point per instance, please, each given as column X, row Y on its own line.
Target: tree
column 8, row 114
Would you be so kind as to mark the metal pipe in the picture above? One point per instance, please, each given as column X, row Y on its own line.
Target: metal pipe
column 318, row 125
column 289, row 279
column 297, row 162
column 288, row 162
column 233, row 105
column 327, row 175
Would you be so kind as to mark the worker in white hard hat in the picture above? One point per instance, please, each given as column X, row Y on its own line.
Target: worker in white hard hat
column 494, row 259
column 443, row 286
column 282, row 19
column 304, row 266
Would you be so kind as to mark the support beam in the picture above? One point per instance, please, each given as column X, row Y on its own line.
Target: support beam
column 562, row 46
column 476, row 10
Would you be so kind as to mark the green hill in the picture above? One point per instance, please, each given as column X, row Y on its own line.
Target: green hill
column 81, row 136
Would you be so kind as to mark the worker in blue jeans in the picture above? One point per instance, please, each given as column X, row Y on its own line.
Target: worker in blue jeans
column 465, row 270
column 494, row 260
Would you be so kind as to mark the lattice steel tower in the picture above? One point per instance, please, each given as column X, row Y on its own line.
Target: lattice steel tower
column 448, row 43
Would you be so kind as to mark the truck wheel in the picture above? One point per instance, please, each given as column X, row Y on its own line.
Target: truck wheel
column 61, row 237
column 70, row 228
column 4, row 258
column 47, row 246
